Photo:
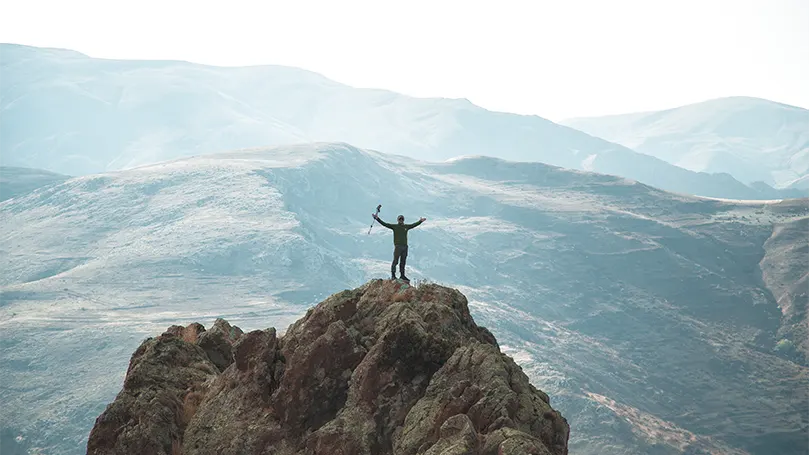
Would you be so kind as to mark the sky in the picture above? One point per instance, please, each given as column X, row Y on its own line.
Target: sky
column 555, row 59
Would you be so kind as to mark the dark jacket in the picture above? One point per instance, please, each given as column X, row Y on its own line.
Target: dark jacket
column 399, row 231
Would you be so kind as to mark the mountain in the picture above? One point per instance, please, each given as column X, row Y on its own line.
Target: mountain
column 69, row 113
column 751, row 139
column 16, row 181
column 385, row 368
column 651, row 318
column 801, row 184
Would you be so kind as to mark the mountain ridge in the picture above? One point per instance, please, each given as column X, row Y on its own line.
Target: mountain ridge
column 753, row 139
column 83, row 115
column 18, row 181
column 720, row 99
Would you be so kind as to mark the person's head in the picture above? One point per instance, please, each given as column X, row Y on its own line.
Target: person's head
column 400, row 219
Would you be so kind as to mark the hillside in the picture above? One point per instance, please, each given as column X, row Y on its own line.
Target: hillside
column 17, row 181
column 752, row 139
column 643, row 313
column 381, row 369
column 69, row 113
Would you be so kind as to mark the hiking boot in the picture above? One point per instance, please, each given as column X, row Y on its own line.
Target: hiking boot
column 404, row 278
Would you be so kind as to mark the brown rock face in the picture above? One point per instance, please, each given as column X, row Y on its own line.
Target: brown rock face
column 382, row 369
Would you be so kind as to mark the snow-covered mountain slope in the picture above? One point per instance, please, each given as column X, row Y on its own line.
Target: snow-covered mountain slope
column 750, row 138
column 65, row 112
column 643, row 313
column 16, row 181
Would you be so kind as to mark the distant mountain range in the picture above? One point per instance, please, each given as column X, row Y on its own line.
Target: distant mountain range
column 658, row 323
column 68, row 113
column 16, row 181
column 752, row 139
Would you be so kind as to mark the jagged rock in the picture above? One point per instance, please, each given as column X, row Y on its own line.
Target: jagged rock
column 492, row 391
column 381, row 369
column 217, row 343
column 234, row 415
column 148, row 415
column 189, row 334
column 457, row 437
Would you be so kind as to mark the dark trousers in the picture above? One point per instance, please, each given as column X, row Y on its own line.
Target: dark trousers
column 399, row 253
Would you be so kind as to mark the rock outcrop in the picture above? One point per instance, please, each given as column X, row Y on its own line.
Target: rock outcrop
column 382, row 369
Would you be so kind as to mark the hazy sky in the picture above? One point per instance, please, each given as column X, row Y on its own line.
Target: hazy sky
column 557, row 59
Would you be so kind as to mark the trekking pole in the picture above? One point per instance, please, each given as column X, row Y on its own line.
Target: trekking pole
column 378, row 207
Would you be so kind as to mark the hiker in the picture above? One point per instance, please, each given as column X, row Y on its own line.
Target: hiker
column 399, row 243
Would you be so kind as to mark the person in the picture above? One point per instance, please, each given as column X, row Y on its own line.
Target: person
column 399, row 243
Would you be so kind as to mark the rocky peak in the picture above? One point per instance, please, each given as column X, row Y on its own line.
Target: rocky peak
column 382, row 369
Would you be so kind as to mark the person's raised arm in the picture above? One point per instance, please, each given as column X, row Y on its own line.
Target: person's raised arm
column 421, row 220
column 382, row 222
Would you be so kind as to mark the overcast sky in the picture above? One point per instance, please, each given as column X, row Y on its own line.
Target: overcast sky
column 556, row 59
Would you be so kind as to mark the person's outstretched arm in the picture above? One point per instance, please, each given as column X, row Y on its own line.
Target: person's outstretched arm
column 411, row 226
column 382, row 222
